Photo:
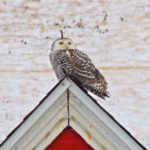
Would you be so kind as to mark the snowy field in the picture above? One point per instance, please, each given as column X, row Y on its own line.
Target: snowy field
column 116, row 36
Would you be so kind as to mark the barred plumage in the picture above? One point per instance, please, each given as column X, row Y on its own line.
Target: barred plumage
column 67, row 60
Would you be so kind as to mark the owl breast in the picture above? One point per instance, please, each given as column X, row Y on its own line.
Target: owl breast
column 56, row 58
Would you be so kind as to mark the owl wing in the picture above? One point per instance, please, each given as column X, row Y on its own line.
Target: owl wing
column 88, row 75
column 83, row 66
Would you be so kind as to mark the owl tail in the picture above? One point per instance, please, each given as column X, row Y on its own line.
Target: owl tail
column 104, row 95
column 98, row 92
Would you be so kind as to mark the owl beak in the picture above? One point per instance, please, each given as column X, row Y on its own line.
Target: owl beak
column 66, row 46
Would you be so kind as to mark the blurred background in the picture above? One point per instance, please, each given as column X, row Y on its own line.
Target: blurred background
column 116, row 36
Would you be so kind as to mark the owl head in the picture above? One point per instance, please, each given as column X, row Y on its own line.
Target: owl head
column 63, row 43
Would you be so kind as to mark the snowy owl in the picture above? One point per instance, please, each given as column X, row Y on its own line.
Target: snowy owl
column 67, row 60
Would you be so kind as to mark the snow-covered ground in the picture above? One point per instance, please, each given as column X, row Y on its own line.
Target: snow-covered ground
column 115, row 34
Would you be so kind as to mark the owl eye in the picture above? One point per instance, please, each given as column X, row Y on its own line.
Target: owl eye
column 61, row 43
column 69, row 43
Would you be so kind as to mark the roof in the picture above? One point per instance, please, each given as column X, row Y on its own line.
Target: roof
column 67, row 104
